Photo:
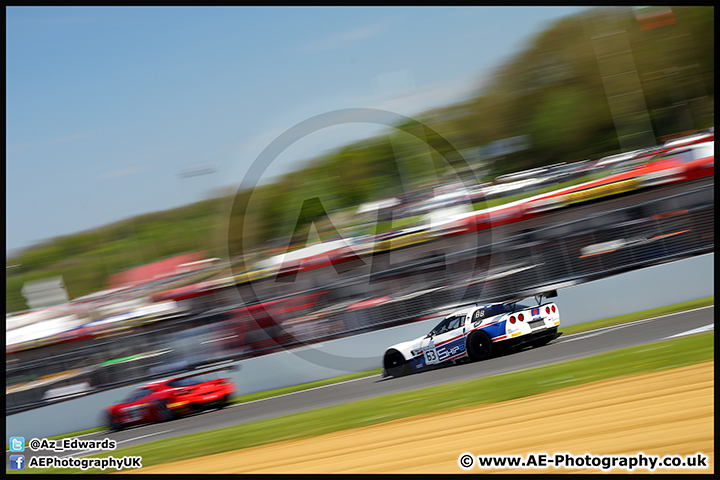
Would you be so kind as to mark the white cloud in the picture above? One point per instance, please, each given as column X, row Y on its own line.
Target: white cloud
column 346, row 38
column 50, row 141
column 137, row 158
column 123, row 172
column 419, row 99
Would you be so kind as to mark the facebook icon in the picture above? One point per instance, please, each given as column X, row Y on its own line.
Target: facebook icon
column 17, row 462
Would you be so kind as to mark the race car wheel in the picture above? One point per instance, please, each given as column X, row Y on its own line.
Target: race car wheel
column 224, row 402
column 162, row 412
column 479, row 346
column 395, row 364
column 112, row 425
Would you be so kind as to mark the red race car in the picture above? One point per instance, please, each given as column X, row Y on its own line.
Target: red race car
column 168, row 399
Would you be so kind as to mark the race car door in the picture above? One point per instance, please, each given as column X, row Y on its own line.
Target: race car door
column 445, row 341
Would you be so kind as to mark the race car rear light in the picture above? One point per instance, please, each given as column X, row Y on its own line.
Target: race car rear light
column 520, row 317
column 512, row 319
column 553, row 308
column 547, row 309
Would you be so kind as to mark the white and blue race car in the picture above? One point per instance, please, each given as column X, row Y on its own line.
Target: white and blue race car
column 475, row 333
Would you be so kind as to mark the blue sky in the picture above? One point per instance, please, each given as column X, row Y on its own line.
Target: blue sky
column 106, row 106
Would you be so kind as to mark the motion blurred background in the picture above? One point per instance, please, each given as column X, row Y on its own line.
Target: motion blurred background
column 156, row 256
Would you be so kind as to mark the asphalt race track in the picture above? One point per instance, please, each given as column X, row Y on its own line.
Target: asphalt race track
column 563, row 349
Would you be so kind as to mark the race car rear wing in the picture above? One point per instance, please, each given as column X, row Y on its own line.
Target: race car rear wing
column 549, row 294
column 540, row 293
column 538, row 298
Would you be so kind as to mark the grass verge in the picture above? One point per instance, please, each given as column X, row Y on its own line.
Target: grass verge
column 628, row 361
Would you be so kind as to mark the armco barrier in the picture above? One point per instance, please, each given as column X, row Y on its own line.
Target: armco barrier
column 577, row 252
column 633, row 291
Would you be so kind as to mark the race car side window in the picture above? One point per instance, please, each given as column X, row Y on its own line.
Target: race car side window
column 509, row 308
column 443, row 326
column 136, row 395
column 455, row 322
column 205, row 377
column 493, row 310
column 183, row 382
column 436, row 330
